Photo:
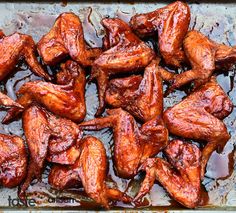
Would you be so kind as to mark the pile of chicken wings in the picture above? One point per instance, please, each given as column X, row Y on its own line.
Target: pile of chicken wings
column 53, row 109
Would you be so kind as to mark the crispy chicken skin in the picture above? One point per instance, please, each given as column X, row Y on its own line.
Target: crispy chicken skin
column 171, row 24
column 46, row 136
column 66, row 38
column 66, row 100
column 180, row 176
column 204, row 56
column 126, row 53
column 90, row 170
column 142, row 97
column 132, row 145
column 13, row 160
column 199, row 116
column 8, row 102
column 16, row 47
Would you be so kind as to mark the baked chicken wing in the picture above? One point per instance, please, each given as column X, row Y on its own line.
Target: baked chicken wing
column 46, row 135
column 16, row 47
column 126, row 53
column 132, row 144
column 199, row 116
column 37, row 134
column 90, row 170
column 171, row 24
column 142, row 97
column 205, row 56
column 180, row 176
column 66, row 38
column 13, row 160
column 66, row 100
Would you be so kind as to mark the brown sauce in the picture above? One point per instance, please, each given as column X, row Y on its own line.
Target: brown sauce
column 219, row 169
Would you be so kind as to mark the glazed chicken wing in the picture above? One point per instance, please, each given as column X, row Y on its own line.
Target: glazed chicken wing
column 46, row 135
column 132, row 145
column 142, row 97
column 204, row 56
column 126, row 53
column 171, row 24
column 37, row 134
column 90, row 170
column 15, row 47
column 13, row 160
column 66, row 38
column 180, row 177
column 67, row 100
column 199, row 117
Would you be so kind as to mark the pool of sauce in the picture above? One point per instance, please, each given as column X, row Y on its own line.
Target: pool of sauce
column 220, row 174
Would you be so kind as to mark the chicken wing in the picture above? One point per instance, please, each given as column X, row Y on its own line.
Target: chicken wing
column 67, row 100
column 66, row 38
column 37, row 134
column 142, row 97
column 199, row 116
column 90, row 170
column 171, row 24
column 49, row 136
column 132, row 145
column 205, row 56
column 13, row 160
column 127, row 53
column 180, row 177
column 15, row 47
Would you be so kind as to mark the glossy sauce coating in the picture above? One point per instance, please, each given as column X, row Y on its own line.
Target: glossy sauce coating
column 199, row 117
column 170, row 24
column 66, row 38
column 66, row 98
column 90, row 170
column 142, row 97
column 132, row 144
column 126, row 53
column 180, row 177
column 15, row 47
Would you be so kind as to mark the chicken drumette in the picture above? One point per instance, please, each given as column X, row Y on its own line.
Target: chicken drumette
column 204, row 56
column 180, row 177
column 45, row 135
column 13, row 160
column 90, row 170
column 16, row 47
column 66, row 38
column 132, row 145
column 126, row 53
column 199, row 116
column 171, row 24
column 65, row 99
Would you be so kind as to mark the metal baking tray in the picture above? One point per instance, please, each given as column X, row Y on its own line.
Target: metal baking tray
column 216, row 19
